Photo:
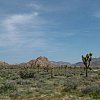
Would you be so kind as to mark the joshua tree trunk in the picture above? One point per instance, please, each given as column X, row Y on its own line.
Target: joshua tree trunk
column 86, row 72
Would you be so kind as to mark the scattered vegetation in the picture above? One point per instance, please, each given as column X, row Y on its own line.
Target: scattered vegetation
column 58, row 83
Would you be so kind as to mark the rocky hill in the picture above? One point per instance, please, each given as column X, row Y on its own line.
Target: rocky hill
column 40, row 61
column 3, row 64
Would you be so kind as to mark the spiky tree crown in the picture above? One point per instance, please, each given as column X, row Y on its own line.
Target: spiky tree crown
column 87, row 59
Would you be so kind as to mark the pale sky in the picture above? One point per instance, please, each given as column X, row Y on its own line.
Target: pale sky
column 61, row 30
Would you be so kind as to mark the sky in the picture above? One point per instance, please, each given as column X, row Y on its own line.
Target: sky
column 61, row 30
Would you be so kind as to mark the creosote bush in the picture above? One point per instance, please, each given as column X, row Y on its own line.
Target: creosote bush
column 7, row 87
column 70, row 84
column 14, row 95
column 26, row 74
column 93, row 89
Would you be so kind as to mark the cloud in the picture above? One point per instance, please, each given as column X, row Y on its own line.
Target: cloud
column 11, row 22
column 16, row 27
column 31, row 30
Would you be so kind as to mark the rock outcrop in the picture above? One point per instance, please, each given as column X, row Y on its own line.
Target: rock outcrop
column 3, row 64
column 41, row 62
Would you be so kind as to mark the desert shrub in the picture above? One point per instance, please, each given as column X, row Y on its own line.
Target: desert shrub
column 23, row 82
column 26, row 74
column 7, row 87
column 14, row 95
column 98, row 72
column 43, row 87
column 70, row 84
column 4, row 73
column 93, row 89
column 8, row 74
column 15, row 77
column 40, row 84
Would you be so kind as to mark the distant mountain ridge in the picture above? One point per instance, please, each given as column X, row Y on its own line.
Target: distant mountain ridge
column 60, row 63
column 95, row 62
column 43, row 61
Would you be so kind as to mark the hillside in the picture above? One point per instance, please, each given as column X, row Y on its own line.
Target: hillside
column 40, row 61
column 3, row 64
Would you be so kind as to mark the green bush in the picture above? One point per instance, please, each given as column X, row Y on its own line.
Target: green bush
column 26, row 74
column 70, row 84
column 4, row 73
column 93, row 89
column 7, row 87
column 14, row 77
column 14, row 95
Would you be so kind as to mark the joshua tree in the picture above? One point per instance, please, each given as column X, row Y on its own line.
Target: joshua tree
column 86, row 60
